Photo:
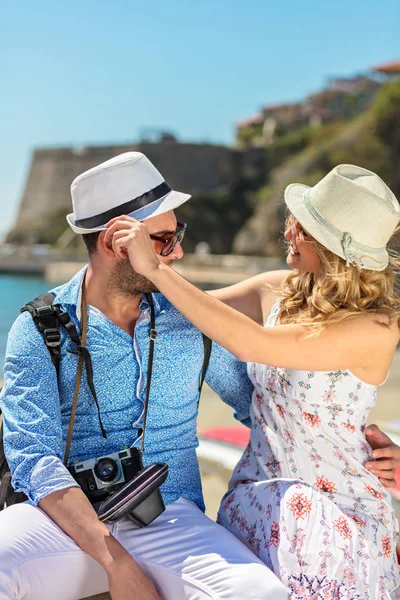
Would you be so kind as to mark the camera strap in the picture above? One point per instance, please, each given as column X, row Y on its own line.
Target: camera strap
column 84, row 359
column 78, row 374
column 153, row 336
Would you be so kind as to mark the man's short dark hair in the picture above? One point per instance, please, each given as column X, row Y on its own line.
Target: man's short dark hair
column 90, row 240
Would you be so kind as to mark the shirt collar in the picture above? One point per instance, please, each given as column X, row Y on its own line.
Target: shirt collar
column 69, row 294
column 156, row 301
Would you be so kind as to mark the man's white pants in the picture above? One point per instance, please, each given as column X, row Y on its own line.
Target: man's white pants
column 188, row 556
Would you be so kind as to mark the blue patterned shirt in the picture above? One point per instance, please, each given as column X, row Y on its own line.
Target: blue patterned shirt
column 37, row 407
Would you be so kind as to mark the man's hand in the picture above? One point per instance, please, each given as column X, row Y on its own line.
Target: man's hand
column 127, row 581
column 72, row 511
column 386, row 456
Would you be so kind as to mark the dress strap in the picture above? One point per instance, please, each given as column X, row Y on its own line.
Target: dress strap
column 271, row 319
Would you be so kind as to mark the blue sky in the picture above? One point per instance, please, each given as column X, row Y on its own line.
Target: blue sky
column 90, row 72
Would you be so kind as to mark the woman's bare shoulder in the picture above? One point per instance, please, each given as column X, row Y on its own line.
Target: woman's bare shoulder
column 375, row 334
column 379, row 321
column 253, row 296
column 274, row 281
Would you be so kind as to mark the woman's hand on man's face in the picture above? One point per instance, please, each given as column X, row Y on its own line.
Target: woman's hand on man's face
column 130, row 239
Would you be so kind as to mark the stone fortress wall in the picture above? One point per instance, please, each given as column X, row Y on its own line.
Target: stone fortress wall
column 192, row 168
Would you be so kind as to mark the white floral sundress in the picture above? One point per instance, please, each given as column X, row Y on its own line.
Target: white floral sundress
column 300, row 497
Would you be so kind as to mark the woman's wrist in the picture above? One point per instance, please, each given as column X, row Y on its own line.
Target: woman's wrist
column 157, row 273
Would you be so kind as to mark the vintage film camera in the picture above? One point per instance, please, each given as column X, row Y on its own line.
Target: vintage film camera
column 123, row 485
column 99, row 477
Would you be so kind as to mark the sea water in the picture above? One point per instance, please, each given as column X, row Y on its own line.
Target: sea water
column 15, row 291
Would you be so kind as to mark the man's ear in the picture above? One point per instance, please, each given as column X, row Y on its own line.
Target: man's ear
column 104, row 247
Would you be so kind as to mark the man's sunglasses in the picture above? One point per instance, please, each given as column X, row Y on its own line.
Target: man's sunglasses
column 170, row 242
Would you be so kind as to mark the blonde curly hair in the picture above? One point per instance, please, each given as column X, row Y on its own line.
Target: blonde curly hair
column 338, row 292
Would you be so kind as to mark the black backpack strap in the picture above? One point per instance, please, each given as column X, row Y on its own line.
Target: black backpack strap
column 207, row 344
column 49, row 318
column 46, row 318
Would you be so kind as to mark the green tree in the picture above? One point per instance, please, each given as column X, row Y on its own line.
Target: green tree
column 385, row 115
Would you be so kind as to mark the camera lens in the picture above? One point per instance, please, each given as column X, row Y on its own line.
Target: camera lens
column 106, row 469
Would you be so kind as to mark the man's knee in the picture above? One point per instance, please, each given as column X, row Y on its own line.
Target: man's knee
column 9, row 578
column 10, row 546
column 27, row 534
column 14, row 549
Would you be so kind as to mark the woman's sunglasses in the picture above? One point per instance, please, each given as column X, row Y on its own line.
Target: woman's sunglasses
column 297, row 230
column 170, row 242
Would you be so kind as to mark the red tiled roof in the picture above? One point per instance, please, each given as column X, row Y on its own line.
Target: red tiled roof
column 254, row 120
column 391, row 67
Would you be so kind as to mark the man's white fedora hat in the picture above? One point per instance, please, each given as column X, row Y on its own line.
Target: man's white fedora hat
column 128, row 184
column 351, row 212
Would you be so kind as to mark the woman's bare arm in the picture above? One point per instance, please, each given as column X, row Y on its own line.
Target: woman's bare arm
column 359, row 342
column 253, row 297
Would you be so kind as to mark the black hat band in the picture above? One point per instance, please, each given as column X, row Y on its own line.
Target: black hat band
column 126, row 208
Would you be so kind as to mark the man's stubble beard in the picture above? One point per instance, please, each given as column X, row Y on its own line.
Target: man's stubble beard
column 124, row 281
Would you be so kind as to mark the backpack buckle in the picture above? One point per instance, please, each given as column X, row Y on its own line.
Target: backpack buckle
column 45, row 311
column 52, row 337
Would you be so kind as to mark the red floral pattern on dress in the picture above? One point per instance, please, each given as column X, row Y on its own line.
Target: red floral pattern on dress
column 260, row 399
column 357, row 520
column 280, row 410
column 289, row 437
column 341, row 525
column 230, row 499
column 300, row 506
column 313, row 420
column 375, row 493
column 386, row 546
column 325, row 485
column 349, row 427
column 274, row 534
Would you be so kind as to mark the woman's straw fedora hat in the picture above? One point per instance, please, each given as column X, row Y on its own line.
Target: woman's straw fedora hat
column 128, row 184
column 351, row 212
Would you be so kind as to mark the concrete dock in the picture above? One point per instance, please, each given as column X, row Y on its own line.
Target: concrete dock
column 204, row 270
